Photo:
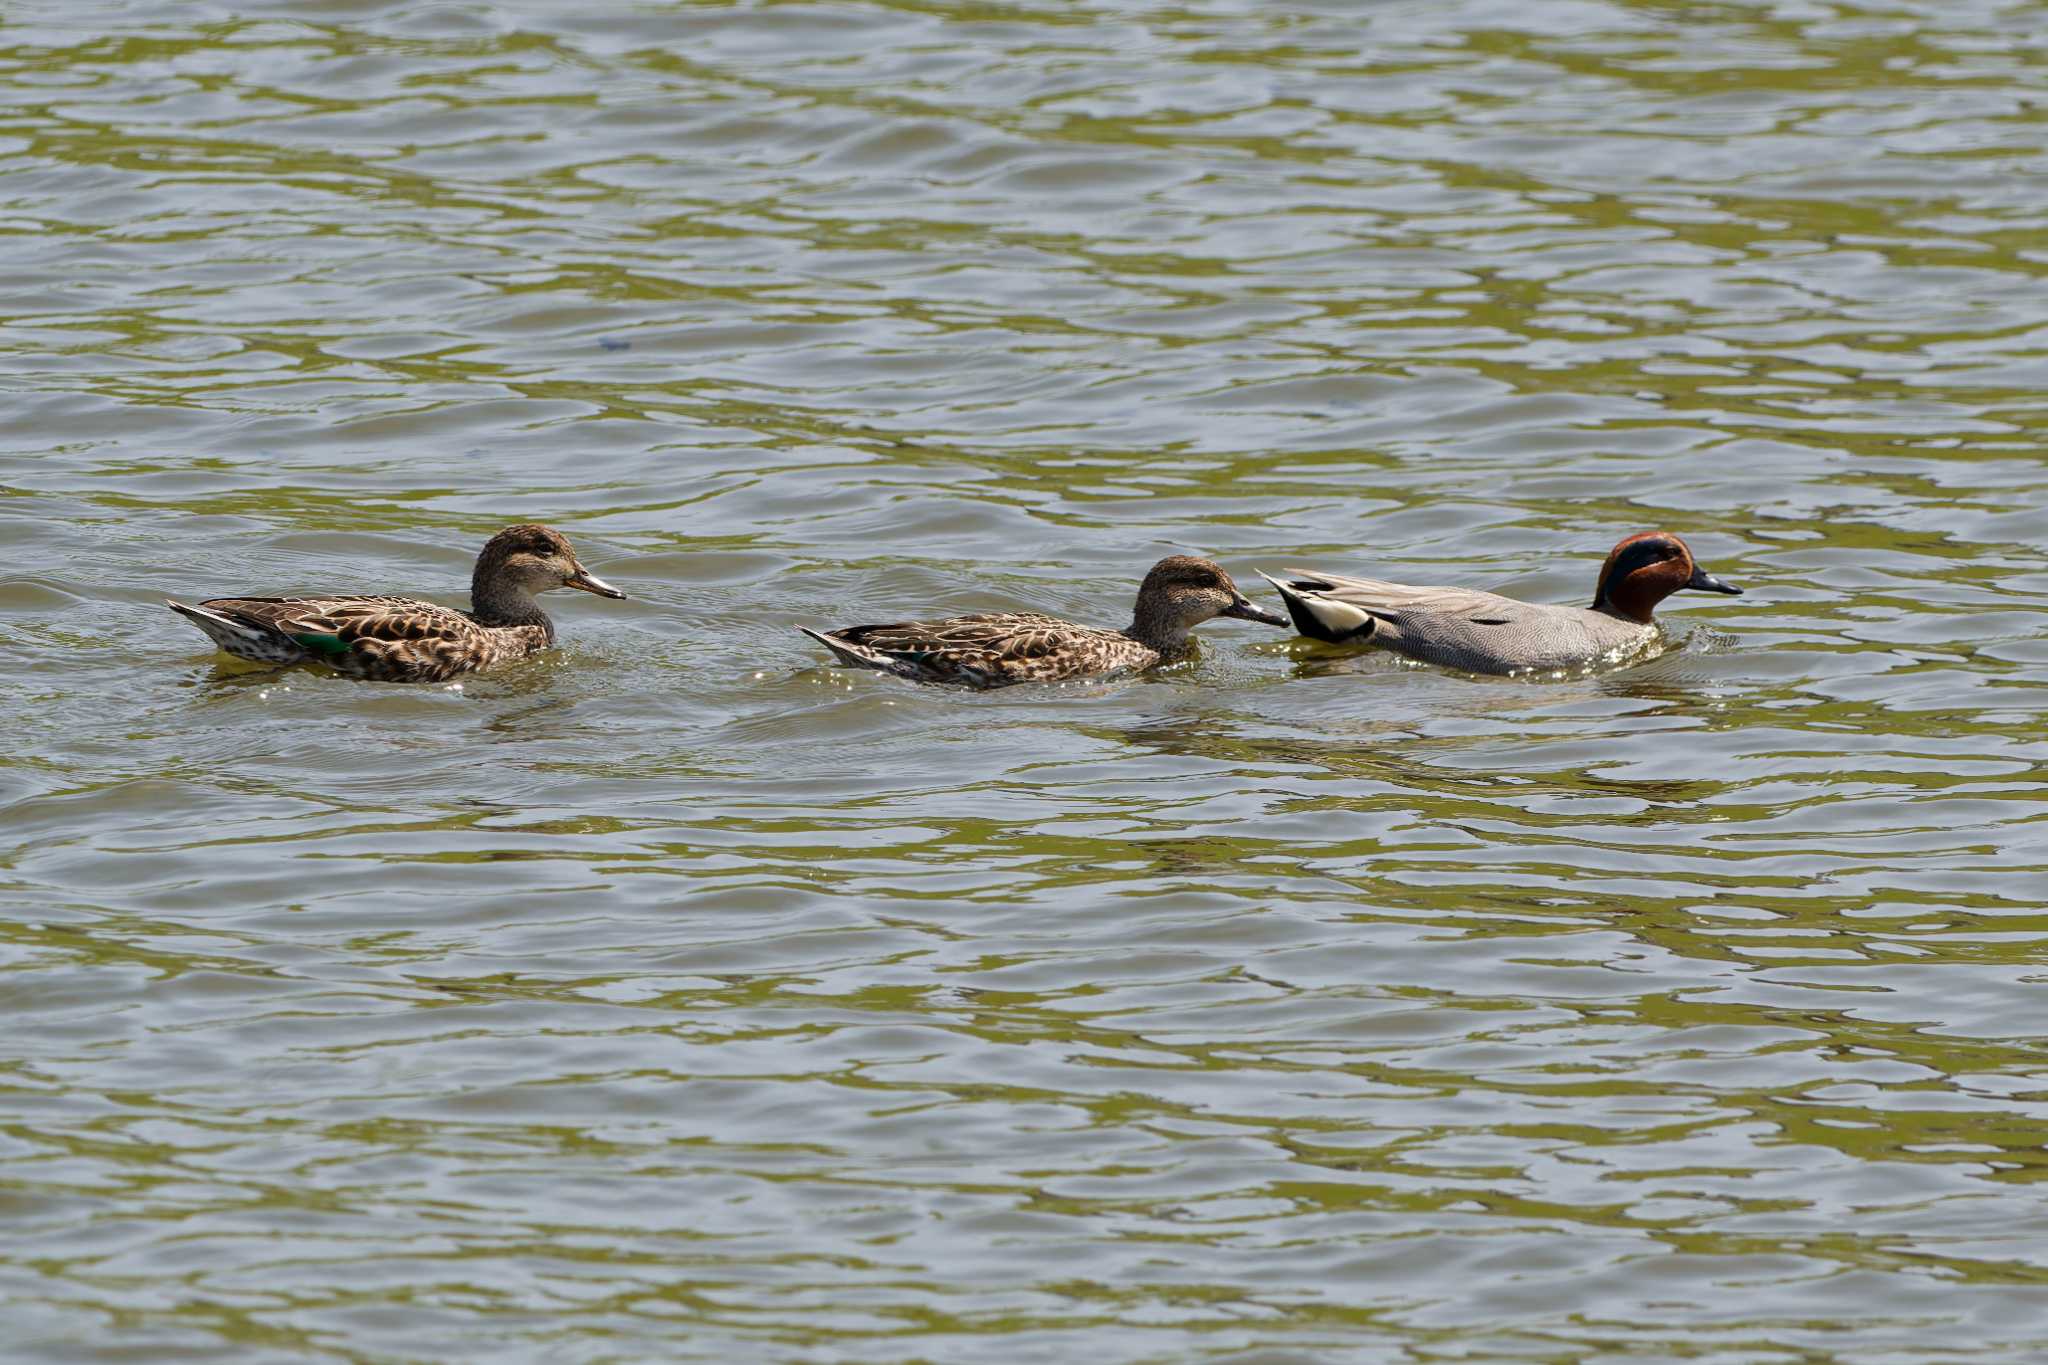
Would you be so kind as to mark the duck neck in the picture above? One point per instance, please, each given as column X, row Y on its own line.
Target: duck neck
column 497, row 603
column 1155, row 630
column 1634, row 611
column 1634, row 597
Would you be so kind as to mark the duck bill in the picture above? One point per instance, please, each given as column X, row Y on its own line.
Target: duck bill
column 583, row 580
column 1244, row 609
column 1702, row 581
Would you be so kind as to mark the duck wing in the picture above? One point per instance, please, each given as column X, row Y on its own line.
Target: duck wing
column 990, row 649
column 325, row 626
column 1390, row 600
column 1339, row 608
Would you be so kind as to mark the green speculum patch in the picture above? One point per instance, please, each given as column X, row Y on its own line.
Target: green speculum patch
column 322, row 644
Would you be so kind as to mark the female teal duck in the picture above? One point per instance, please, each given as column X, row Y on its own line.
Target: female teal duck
column 1480, row 632
column 402, row 639
column 996, row 649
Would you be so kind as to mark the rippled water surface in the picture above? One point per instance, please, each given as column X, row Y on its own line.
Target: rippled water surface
column 676, row 996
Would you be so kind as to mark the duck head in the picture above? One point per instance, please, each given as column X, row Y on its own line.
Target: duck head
column 520, row 561
column 1180, row 593
column 1645, row 569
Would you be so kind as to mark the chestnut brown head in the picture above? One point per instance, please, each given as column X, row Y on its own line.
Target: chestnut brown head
column 1645, row 569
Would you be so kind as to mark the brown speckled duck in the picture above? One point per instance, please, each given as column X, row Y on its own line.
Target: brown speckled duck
column 1482, row 632
column 996, row 649
column 402, row 639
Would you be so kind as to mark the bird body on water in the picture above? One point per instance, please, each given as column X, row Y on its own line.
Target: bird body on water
column 1483, row 632
column 404, row 639
column 996, row 649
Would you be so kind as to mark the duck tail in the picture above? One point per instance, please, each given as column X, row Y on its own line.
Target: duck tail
column 224, row 631
column 849, row 653
column 1322, row 618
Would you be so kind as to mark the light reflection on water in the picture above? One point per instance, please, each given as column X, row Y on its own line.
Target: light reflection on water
column 679, row 994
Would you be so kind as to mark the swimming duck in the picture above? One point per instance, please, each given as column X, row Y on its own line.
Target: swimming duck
column 1481, row 632
column 402, row 639
column 996, row 649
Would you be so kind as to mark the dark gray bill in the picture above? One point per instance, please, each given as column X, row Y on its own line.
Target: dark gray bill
column 590, row 582
column 1706, row 582
column 1244, row 609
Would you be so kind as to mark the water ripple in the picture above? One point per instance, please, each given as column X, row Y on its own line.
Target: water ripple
column 677, row 994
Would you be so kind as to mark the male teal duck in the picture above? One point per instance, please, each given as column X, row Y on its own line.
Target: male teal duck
column 996, row 649
column 402, row 639
column 1481, row 632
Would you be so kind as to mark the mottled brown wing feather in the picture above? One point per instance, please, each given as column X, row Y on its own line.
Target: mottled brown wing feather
column 991, row 649
column 352, row 619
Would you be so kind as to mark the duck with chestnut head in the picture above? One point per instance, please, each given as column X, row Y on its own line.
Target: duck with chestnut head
column 1482, row 632
column 403, row 639
column 995, row 649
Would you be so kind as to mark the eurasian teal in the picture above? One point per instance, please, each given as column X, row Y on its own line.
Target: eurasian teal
column 402, row 639
column 1482, row 632
column 996, row 649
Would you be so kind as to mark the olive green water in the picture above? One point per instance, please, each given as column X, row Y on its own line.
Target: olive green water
column 677, row 997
